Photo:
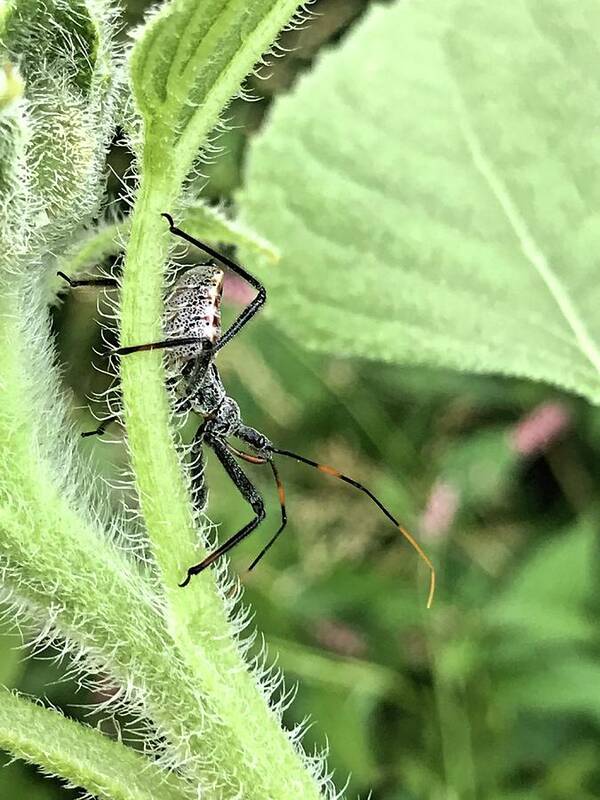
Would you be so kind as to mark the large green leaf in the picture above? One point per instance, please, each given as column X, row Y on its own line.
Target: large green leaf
column 433, row 188
column 568, row 686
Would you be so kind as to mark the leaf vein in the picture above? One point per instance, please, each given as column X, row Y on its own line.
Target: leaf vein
column 530, row 248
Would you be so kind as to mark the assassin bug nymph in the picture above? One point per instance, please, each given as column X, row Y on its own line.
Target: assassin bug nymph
column 192, row 323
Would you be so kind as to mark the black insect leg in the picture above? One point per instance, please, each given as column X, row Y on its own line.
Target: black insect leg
column 252, row 459
column 252, row 308
column 243, row 318
column 162, row 345
column 273, row 539
column 109, row 282
column 248, row 492
column 101, row 429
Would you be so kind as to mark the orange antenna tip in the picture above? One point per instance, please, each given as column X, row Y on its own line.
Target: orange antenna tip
column 413, row 542
column 431, row 587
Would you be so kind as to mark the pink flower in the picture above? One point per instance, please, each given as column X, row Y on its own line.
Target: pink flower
column 540, row 428
column 237, row 291
column 440, row 511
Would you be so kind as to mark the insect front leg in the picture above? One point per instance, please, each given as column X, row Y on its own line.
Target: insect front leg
column 252, row 459
column 110, row 283
column 251, row 309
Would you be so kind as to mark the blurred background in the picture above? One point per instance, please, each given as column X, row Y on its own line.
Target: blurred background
column 493, row 693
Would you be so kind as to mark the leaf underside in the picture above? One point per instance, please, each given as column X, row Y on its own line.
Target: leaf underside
column 436, row 194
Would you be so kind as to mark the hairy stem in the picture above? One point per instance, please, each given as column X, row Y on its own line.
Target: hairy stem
column 246, row 734
column 80, row 754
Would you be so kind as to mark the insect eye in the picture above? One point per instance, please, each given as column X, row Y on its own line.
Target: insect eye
column 256, row 439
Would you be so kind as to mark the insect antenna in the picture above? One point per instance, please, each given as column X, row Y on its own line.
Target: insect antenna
column 337, row 474
column 101, row 429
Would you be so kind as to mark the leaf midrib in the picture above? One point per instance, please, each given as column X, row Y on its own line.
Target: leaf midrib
column 329, row 166
column 533, row 253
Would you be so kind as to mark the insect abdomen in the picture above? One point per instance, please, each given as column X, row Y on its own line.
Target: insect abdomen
column 193, row 309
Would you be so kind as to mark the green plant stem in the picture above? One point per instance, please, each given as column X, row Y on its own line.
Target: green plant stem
column 243, row 732
column 80, row 754
column 62, row 567
column 172, row 652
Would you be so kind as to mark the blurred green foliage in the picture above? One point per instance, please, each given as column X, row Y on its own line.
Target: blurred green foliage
column 495, row 692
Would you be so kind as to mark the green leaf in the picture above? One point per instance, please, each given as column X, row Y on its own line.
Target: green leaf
column 71, row 50
column 569, row 686
column 190, row 62
column 568, row 555
column 80, row 754
column 545, row 601
column 65, row 56
column 202, row 220
column 432, row 187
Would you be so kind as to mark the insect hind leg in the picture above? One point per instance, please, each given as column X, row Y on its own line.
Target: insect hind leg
column 248, row 492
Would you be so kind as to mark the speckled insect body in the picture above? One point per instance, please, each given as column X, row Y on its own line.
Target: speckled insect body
column 193, row 310
column 193, row 313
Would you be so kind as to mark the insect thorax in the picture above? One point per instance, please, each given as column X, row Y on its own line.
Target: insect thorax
column 193, row 309
column 205, row 391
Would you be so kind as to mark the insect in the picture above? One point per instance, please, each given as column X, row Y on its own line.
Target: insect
column 192, row 324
